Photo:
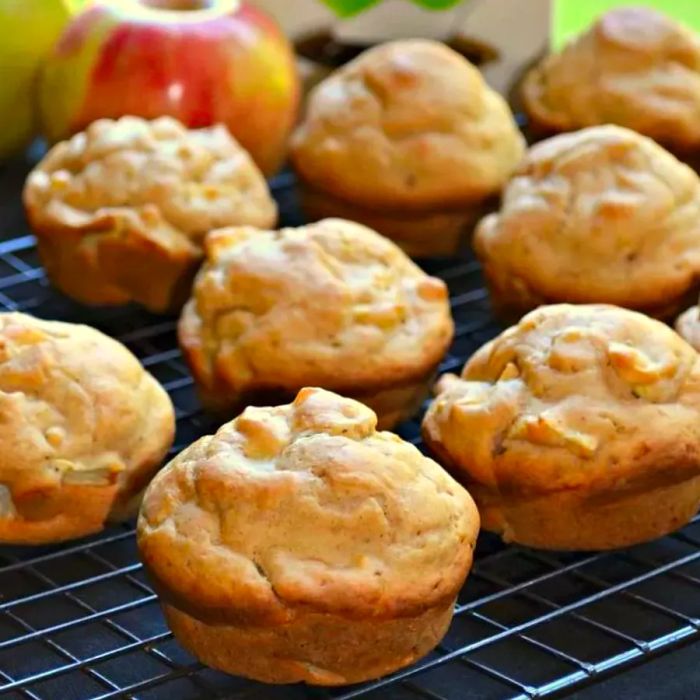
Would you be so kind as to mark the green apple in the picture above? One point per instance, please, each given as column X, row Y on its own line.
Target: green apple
column 28, row 31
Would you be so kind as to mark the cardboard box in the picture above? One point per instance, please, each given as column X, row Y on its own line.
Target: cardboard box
column 510, row 34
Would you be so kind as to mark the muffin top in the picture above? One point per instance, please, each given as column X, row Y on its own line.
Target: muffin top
column 77, row 409
column 173, row 182
column 407, row 124
column 572, row 396
column 602, row 214
column 634, row 67
column 306, row 507
column 332, row 303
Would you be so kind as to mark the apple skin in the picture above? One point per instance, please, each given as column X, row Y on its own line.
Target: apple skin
column 29, row 30
column 226, row 63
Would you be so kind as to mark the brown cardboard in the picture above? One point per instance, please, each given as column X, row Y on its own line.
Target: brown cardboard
column 516, row 32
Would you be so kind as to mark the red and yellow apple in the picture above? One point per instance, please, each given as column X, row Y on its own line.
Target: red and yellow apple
column 200, row 61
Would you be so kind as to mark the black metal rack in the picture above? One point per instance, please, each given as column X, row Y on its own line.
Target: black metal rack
column 80, row 621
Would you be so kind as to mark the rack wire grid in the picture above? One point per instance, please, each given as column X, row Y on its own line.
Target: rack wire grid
column 80, row 620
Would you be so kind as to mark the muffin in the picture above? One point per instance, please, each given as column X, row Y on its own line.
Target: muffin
column 83, row 429
column 332, row 304
column 634, row 67
column 598, row 215
column 121, row 209
column 408, row 139
column 300, row 544
column 578, row 428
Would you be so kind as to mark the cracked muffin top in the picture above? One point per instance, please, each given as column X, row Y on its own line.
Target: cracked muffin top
column 331, row 304
column 305, row 507
column 572, row 396
column 78, row 411
column 407, row 124
column 634, row 67
column 599, row 215
column 173, row 182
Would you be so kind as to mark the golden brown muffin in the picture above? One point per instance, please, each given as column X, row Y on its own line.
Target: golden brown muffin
column 407, row 139
column 300, row 544
column 83, row 429
column 578, row 428
column 599, row 215
column 332, row 304
column 121, row 209
column 634, row 67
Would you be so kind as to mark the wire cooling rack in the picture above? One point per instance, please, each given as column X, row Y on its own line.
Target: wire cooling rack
column 80, row 621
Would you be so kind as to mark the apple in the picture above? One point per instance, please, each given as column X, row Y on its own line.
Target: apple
column 29, row 29
column 200, row 61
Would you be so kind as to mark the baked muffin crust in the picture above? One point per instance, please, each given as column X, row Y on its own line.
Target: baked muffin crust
column 332, row 304
column 408, row 129
column 299, row 520
column 83, row 428
column 634, row 67
column 407, row 124
column 120, row 210
column 586, row 416
column 598, row 215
